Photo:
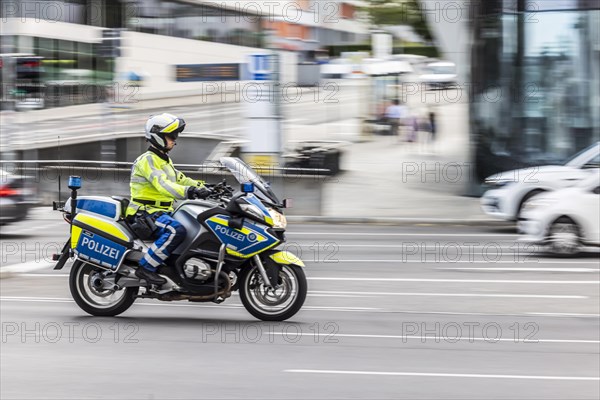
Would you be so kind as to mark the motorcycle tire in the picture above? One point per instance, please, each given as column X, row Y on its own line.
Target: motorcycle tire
column 82, row 293
column 253, row 294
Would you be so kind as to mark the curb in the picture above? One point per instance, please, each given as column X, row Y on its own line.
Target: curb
column 400, row 221
column 6, row 274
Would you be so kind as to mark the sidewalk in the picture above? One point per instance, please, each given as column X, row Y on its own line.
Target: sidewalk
column 385, row 179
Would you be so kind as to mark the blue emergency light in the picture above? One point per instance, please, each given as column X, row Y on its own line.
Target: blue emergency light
column 74, row 182
column 248, row 187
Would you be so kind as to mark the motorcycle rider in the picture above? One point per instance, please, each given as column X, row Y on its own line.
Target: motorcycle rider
column 155, row 184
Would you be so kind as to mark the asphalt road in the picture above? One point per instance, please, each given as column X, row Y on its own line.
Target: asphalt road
column 393, row 312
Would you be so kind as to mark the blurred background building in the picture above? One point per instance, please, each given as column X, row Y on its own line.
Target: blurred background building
column 531, row 70
column 150, row 38
column 535, row 73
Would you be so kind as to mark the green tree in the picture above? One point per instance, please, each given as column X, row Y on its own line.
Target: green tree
column 398, row 12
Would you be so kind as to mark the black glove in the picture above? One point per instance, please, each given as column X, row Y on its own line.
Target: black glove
column 198, row 193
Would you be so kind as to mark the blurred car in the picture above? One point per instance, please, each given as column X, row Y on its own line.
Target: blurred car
column 16, row 197
column 338, row 68
column 564, row 220
column 438, row 75
column 510, row 190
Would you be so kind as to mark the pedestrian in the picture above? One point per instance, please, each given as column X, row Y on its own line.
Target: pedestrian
column 395, row 115
column 432, row 126
column 413, row 128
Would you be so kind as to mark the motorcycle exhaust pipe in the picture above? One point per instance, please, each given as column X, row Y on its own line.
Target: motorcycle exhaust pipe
column 225, row 293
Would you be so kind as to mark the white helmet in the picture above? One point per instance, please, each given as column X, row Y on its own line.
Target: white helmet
column 159, row 126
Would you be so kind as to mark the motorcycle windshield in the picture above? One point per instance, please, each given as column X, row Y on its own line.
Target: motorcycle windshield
column 244, row 173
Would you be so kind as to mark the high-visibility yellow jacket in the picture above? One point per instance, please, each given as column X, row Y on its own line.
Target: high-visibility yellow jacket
column 155, row 179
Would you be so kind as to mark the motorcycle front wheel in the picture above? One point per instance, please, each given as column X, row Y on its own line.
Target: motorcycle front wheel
column 277, row 304
column 85, row 282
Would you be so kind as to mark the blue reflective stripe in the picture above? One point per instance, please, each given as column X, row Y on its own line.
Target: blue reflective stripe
column 170, row 235
column 98, row 207
column 253, row 200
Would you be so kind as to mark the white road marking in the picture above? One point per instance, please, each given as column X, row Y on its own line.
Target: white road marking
column 441, row 338
column 317, row 308
column 445, row 375
column 504, row 236
column 236, row 306
column 401, row 245
column 336, row 335
column 564, row 315
column 340, row 279
column 527, row 314
column 502, row 295
column 448, row 339
column 522, row 269
column 440, row 261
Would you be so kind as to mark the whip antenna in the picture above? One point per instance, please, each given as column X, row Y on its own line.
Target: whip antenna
column 59, row 171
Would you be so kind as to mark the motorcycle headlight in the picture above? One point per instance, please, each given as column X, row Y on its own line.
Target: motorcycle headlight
column 279, row 220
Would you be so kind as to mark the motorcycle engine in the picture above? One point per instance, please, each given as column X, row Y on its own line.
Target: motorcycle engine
column 195, row 268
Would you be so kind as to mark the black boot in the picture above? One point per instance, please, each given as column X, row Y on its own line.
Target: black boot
column 151, row 277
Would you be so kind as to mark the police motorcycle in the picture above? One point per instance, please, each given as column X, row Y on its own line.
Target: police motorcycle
column 231, row 245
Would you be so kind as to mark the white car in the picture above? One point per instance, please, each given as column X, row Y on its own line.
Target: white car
column 565, row 220
column 438, row 75
column 512, row 189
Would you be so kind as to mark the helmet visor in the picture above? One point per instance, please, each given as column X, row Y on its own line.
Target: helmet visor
column 173, row 135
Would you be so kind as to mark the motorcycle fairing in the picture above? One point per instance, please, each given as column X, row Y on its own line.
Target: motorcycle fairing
column 251, row 199
column 244, row 243
column 286, row 258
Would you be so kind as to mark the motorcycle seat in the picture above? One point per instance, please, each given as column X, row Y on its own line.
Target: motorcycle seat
column 124, row 204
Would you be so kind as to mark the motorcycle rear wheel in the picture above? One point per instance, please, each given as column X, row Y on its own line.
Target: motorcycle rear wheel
column 273, row 305
column 95, row 301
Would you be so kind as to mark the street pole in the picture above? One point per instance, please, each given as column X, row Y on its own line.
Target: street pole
column 263, row 112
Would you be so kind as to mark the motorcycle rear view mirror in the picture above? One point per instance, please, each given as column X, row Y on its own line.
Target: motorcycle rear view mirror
column 288, row 203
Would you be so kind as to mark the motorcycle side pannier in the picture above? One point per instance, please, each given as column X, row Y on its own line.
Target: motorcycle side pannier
column 100, row 240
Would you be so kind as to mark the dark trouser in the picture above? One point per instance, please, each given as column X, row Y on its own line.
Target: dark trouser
column 394, row 125
column 170, row 234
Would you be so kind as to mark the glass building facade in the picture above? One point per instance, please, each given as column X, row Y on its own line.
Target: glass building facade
column 535, row 76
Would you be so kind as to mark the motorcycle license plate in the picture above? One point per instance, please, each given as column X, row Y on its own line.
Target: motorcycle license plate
column 99, row 250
